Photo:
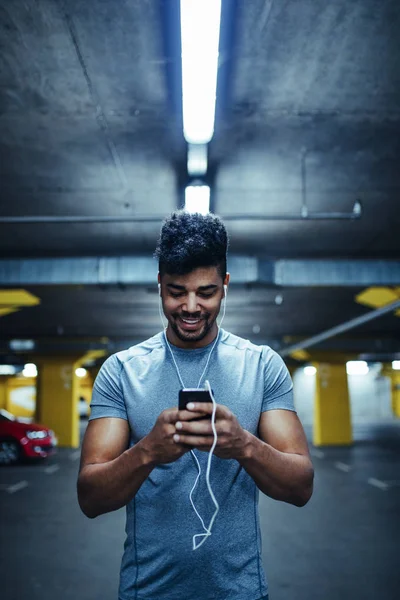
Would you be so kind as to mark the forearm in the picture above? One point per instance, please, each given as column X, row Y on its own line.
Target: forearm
column 104, row 487
column 282, row 476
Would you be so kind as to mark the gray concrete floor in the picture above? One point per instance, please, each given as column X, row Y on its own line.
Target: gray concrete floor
column 344, row 544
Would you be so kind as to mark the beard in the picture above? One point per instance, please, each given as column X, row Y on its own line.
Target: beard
column 192, row 336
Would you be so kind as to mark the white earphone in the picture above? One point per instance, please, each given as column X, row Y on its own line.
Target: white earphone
column 159, row 289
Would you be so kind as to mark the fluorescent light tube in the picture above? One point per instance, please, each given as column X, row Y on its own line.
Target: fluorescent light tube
column 197, row 199
column 200, row 26
column 197, row 160
column 19, row 345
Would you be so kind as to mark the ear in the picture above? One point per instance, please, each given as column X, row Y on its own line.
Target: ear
column 226, row 282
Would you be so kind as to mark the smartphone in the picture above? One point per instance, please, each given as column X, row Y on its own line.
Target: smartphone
column 193, row 395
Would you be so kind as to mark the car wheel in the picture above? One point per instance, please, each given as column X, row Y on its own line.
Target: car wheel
column 9, row 452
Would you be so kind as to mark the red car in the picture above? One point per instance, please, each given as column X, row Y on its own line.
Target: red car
column 20, row 440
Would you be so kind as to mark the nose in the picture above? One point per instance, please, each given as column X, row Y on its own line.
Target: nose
column 191, row 304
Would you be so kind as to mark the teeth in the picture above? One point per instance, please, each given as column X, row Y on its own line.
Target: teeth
column 190, row 322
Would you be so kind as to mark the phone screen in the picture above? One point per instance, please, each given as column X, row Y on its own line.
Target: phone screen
column 193, row 395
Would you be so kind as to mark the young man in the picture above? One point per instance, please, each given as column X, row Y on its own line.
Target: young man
column 137, row 449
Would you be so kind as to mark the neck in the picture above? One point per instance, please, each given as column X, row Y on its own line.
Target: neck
column 192, row 345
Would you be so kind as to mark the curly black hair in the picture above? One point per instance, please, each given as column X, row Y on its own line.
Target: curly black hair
column 191, row 240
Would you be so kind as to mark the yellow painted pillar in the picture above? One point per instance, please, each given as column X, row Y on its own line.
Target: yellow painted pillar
column 332, row 418
column 394, row 376
column 3, row 392
column 395, row 381
column 57, row 395
column 21, row 396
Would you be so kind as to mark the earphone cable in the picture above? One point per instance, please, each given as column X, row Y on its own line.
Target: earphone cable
column 207, row 530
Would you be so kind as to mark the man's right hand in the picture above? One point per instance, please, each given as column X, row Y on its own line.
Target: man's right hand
column 159, row 443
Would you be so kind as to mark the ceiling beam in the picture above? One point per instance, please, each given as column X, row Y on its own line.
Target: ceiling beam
column 142, row 270
column 339, row 272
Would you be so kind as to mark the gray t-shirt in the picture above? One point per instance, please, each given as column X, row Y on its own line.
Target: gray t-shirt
column 159, row 562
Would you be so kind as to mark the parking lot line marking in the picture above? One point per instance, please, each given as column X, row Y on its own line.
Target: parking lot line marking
column 343, row 467
column 382, row 485
column 17, row 486
column 75, row 455
column 52, row 469
column 317, row 453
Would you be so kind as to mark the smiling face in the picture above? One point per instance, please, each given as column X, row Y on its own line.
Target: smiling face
column 191, row 304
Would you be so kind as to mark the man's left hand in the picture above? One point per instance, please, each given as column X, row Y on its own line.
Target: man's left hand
column 232, row 442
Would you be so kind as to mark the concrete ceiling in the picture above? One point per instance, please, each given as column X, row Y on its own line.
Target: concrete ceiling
column 90, row 125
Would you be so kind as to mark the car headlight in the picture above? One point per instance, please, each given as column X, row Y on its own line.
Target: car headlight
column 36, row 435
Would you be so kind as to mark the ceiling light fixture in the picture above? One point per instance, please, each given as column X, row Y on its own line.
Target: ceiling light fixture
column 310, row 370
column 200, row 27
column 30, row 370
column 21, row 345
column 197, row 160
column 396, row 365
column 7, row 370
column 197, row 199
column 357, row 367
column 357, row 208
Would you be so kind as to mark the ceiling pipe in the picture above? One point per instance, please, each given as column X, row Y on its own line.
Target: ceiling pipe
column 329, row 333
column 305, row 214
column 43, row 219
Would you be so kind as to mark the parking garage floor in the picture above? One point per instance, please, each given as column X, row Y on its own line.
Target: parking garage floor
column 343, row 544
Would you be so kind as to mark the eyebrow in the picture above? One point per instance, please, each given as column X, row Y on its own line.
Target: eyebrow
column 202, row 288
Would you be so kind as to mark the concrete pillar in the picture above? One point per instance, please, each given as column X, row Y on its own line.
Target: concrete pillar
column 332, row 418
column 57, row 395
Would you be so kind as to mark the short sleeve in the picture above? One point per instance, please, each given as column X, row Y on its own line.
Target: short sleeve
column 107, row 396
column 278, row 385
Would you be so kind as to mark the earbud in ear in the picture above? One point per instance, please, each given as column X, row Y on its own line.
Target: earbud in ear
column 159, row 289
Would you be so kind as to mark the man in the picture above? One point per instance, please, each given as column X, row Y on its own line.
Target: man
column 137, row 447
